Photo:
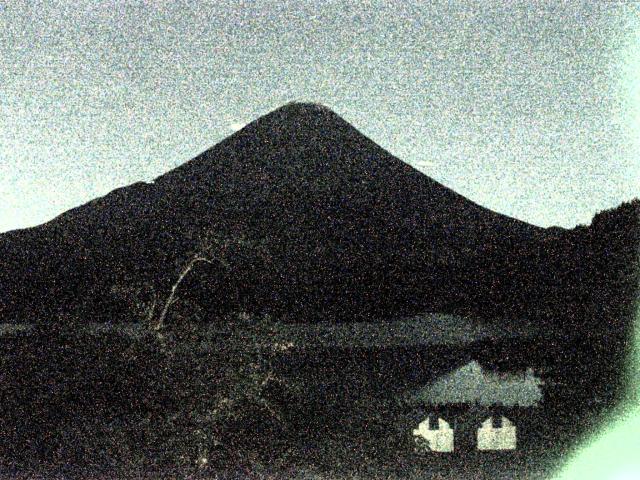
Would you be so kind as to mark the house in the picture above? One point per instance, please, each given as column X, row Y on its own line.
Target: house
column 434, row 436
column 479, row 402
column 497, row 433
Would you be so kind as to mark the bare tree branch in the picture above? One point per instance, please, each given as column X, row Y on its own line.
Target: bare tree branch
column 212, row 249
column 171, row 299
column 152, row 308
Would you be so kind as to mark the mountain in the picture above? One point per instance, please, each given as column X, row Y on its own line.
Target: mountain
column 303, row 218
column 332, row 227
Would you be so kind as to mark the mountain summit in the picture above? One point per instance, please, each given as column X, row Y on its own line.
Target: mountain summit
column 332, row 226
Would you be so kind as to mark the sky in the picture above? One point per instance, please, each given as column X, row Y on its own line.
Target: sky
column 531, row 109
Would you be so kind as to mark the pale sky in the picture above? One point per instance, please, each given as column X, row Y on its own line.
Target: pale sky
column 529, row 108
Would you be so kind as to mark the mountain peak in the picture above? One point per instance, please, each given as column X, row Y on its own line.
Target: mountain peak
column 305, row 107
column 301, row 114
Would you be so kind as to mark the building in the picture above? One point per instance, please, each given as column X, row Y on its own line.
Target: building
column 478, row 403
column 496, row 433
column 435, row 436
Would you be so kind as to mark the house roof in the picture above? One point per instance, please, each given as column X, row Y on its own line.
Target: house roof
column 470, row 384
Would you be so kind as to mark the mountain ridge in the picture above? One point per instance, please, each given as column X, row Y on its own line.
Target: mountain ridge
column 349, row 231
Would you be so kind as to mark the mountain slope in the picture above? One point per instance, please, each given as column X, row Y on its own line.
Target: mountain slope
column 345, row 230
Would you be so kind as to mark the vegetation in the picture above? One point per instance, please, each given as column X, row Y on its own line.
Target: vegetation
column 179, row 398
column 189, row 399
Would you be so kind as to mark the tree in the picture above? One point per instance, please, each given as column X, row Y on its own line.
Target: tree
column 204, row 403
column 146, row 300
column 221, row 407
column 198, row 257
column 212, row 249
column 248, row 392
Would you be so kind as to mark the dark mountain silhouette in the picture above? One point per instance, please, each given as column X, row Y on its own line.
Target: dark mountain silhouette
column 345, row 229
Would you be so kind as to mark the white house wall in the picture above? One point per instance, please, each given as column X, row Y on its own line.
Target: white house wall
column 440, row 440
column 503, row 438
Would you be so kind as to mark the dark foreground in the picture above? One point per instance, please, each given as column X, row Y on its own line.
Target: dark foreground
column 79, row 405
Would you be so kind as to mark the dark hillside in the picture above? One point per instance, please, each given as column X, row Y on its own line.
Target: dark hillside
column 317, row 222
column 348, row 230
